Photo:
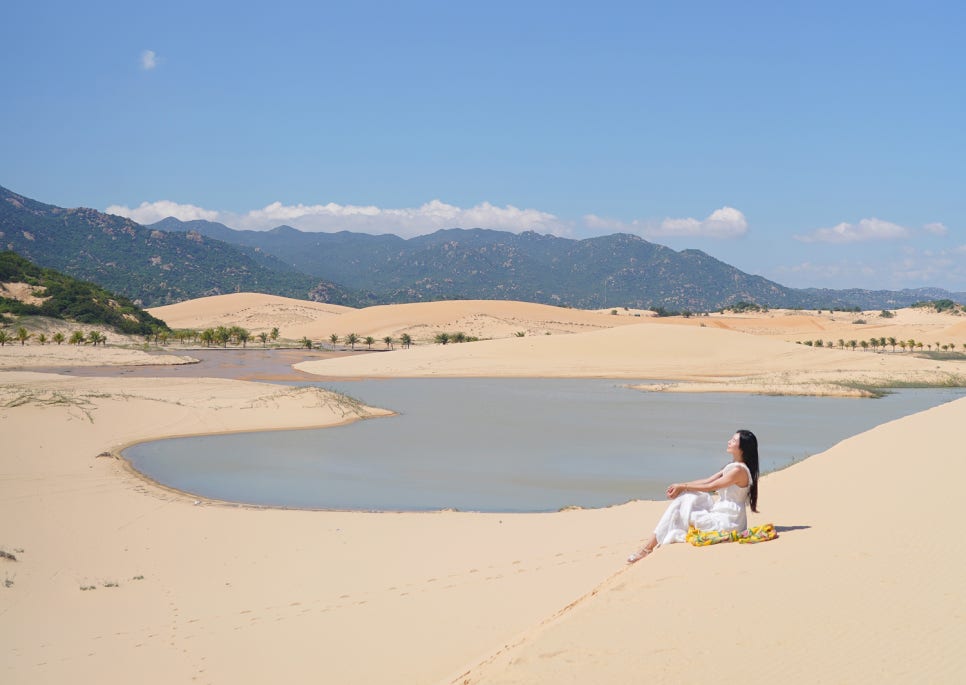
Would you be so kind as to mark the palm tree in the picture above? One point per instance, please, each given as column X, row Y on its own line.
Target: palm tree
column 892, row 342
column 902, row 345
column 369, row 340
column 334, row 338
column 274, row 334
column 208, row 336
column 222, row 335
column 76, row 338
column 442, row 338
column 919, row 345
column 841, row 344
column 306, row 343
column 243, row 335
column 352, row 339
column 263, row 336
column 95, row 337
column 873, row 343
column 406, row 340
column 388, row 341
column 852, row 344
column 22, row 335
column 4, row 338
column 864, row 344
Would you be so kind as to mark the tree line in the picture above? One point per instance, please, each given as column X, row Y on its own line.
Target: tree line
column 876, row 344
column 22, row 335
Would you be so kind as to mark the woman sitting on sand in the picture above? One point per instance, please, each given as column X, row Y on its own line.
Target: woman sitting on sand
column 736, row 483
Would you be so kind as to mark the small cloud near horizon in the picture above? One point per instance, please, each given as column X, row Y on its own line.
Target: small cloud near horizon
column 149, row 60
column 723, row 224
column 864, row 230
column 936, row 228
column 151, row 212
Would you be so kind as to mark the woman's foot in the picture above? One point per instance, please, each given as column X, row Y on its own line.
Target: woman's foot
column 640, row 554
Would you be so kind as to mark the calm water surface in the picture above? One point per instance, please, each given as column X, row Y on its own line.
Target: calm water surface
column 510, row 445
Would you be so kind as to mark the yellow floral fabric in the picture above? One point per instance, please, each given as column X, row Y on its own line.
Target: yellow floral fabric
column 702, row 538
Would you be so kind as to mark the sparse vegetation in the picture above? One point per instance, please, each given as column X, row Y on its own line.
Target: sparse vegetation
column 941, row 306
column 740, row 307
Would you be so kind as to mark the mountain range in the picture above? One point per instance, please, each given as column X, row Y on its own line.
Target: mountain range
column 173, row 260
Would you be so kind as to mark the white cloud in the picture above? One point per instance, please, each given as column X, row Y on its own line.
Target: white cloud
column 936, row 228
column 149, row 60
column 405, row 222
column 865, row 230
column 723, row 223
column 149, row 212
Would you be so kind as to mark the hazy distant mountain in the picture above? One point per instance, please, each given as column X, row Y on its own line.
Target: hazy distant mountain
column 610, row 271
column 172, row 260
column 152, row 267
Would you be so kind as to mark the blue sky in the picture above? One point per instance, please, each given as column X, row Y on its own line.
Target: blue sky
column 817, row 144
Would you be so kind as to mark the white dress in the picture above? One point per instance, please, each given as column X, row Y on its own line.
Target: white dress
column 699, row 509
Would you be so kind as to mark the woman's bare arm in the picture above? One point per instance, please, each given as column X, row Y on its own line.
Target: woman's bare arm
column 722, row 479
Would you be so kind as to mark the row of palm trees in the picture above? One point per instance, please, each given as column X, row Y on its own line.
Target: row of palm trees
column 22, row 335
column 875, row 344
column 353, row 339
column 222, row 335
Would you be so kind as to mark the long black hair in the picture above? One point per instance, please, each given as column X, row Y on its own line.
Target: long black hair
column 748, row 444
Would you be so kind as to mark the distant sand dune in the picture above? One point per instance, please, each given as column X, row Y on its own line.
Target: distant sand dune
column 254, row 311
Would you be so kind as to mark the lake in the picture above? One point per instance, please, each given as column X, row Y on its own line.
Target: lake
column 515, row 445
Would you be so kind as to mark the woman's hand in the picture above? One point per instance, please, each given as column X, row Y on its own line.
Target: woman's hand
column 675, row 489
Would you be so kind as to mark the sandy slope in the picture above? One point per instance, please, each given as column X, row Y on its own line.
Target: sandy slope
column 254, row 311
column 33, row 355
column 729, row 359
column 863, row 586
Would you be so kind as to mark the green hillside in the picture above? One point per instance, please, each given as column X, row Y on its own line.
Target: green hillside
column 64, row 297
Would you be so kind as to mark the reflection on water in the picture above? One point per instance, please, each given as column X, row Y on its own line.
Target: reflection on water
column 510, row 445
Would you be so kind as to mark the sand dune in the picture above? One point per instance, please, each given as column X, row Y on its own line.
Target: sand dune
column 421, row 320
column 729, row 360
column 503, row 319
column 254, row 311
column 116, row 579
